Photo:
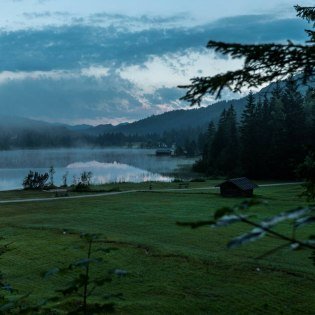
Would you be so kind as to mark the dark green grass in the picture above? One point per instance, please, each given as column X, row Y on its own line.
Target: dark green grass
column 125, row 186
column 112, row 187
column 172, row 270
column 24, row 194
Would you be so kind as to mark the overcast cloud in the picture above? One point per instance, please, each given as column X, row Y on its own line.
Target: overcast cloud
column 114, row 61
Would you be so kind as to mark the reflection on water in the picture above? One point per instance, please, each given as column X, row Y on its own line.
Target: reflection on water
column 107, row 165
column 114, row 172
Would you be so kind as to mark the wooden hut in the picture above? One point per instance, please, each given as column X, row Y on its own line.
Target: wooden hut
column 237, row 187
column 164, row 152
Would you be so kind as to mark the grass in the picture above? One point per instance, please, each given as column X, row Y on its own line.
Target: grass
column 124, row 186
column 172, row 270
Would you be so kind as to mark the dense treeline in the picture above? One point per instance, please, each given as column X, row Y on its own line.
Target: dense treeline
column 39, row 136
column 186, row 140
column 270, row 141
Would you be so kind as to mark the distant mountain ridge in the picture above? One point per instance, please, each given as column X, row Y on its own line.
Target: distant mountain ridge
column 21, row 122
column 182, row 119
column 156, row 124
column 25, row 133
column 173, row 120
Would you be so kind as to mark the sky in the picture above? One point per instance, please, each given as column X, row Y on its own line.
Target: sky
column 105, row 61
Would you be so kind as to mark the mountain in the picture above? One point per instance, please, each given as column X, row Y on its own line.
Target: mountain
column 25, row 129
column 100, row 129
column 174, row 120
column 19, row 132
column 78, row 127
column 182, row 119
column 16, row 122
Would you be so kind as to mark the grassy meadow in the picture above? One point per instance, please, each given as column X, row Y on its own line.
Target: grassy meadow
column 171, row 269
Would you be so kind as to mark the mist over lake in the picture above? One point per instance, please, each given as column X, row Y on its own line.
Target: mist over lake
column 107, row 165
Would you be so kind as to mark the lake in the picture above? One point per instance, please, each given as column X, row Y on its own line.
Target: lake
column 106, row 165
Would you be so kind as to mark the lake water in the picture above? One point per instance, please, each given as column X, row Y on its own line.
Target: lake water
column 106, row 165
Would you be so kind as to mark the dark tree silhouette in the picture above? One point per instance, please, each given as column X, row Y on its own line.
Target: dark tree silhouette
column 263, row 63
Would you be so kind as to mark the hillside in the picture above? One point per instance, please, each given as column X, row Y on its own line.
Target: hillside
column 23, row 129
column 181, row 119
column 19, row 132
column 174, row 120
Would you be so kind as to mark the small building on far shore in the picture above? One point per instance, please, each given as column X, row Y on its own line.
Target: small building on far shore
column 164, row 152
column 237, row 187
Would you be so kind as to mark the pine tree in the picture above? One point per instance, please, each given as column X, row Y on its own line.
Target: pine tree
column 262, row 139
column 218, row 144
column 263, row 63
column 208, row 147
column 224, row 158
column 294, row 127
column 248, row 136
column 309, row 109
column 204, row 165
column 232, row 151
column 276, row 156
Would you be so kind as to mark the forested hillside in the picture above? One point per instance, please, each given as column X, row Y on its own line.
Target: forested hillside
column 272, row 138
column 197, row 117
column 23, row 133
column 184, row 128
column 174, row 120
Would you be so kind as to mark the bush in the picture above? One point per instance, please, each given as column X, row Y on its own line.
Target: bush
column 177, row 180
column 35, row 181
column 197, row 180
column 80, row 187
column 84, row 182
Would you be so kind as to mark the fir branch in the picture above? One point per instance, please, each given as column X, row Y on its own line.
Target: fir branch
column 263, row 63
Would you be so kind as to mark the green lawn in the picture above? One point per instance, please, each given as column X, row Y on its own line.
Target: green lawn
column 172, row 270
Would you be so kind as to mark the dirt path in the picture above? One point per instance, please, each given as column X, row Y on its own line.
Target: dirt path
column 126, row 192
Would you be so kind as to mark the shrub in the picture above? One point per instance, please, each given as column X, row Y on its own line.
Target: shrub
column 198, row 180
column 35, row 180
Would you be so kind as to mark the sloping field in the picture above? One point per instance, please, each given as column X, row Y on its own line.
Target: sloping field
column 171, row 269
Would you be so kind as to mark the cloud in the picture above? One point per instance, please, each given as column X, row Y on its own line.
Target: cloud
column 50, row 96
column 45, row 14
column 96, row 94
column 76, row 46
column 94, row 74
column 137, row 23
column 174, row 69
column 94, row 71
column 258, row 28
column 10, row 76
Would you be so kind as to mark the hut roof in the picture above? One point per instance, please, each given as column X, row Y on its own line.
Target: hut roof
column 241, row 182
column 164, row 150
